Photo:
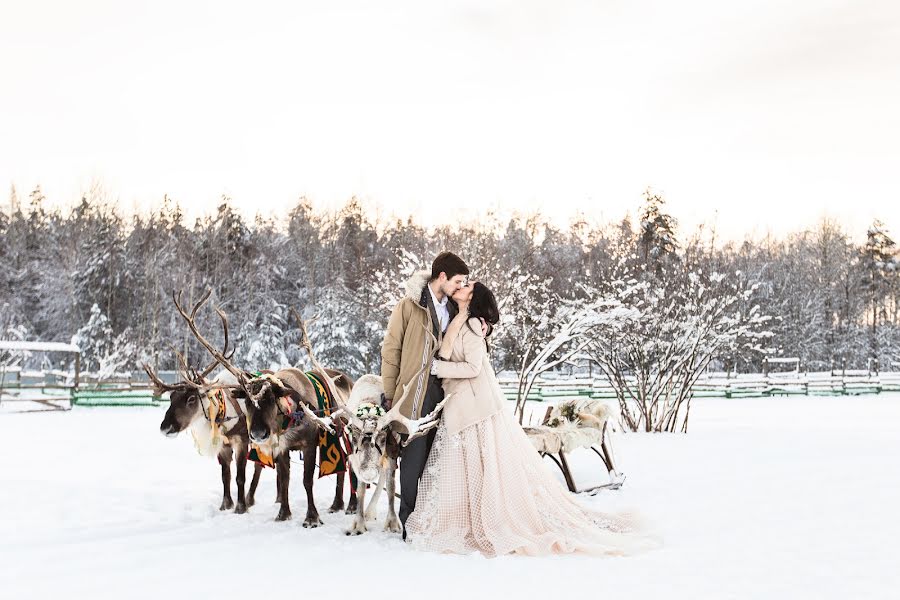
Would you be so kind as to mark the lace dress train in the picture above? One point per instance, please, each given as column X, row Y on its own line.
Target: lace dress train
column 487, row 490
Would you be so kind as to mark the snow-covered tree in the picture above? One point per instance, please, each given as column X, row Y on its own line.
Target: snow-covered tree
column 880, row 269
column 657, row 239
column 262, row 346
column 16, row 333
column 832, row 301
column 653, row 344
column 102, row 351
column 549, row 350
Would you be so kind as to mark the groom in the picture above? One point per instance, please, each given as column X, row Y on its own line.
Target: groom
column 408, row 347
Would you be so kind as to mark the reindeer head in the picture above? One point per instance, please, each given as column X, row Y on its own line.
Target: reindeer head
column 372, row 428
column 268, row 401
column 185, row 396
column 369, row 438
column 184, row 408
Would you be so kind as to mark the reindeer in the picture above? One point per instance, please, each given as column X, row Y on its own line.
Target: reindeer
column 374, row 439
column 376, row 445
column 270, row 400
column 216, row 420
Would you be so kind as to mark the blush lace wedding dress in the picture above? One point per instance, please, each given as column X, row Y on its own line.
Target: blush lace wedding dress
column 486, row 489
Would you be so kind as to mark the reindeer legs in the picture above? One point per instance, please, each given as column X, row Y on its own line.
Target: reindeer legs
column 251, row 495
column 372, row 509
column 354, row 485
column 283, row 474
column 338, row 503
column 392, row 523
column 309, row 472
column 225, row 461
column 359, row 521
column 240, row 449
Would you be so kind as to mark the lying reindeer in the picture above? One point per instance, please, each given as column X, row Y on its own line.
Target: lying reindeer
column 216, row 420
column 280, row 416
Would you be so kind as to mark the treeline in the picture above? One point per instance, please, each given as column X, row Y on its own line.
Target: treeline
column 92, row 275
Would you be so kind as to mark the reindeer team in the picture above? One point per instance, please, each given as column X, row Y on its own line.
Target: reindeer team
column 277, row 412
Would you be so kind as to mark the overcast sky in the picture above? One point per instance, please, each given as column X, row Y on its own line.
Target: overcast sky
column 757, row 115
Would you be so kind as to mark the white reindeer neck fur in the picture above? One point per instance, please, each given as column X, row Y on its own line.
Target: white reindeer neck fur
column 202, row 432
column 202, row 429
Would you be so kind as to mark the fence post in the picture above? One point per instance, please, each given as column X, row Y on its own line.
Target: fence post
column 77, row 378
column 843, row 375
column 877, row 378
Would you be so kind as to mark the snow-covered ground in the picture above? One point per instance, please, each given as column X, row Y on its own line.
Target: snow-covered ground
column 765, row 498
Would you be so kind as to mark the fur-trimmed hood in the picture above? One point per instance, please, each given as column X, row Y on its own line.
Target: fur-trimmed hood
column 415, row 284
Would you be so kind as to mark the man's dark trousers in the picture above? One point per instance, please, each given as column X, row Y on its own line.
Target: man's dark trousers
column 412, row 461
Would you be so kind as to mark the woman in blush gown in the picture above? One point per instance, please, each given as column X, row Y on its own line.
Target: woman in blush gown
column 485, row 488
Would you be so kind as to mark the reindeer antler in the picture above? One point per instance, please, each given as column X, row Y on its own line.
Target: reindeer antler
column 209, row 369
column 222, row 357
column 187, row 372
column 160, row 387
column 330, row 382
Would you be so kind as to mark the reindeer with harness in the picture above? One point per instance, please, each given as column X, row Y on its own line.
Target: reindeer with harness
column 281, row 415
column 216, row 421
column 376, row 439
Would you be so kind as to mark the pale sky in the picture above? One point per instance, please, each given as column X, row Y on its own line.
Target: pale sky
column 759, row 114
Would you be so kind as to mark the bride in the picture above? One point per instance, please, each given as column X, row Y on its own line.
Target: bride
column 485, row 488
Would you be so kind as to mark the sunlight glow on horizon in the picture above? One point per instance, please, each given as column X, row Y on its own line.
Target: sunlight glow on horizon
column 760, row 117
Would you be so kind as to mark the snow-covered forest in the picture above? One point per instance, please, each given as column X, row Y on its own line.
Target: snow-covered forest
column 103, row 280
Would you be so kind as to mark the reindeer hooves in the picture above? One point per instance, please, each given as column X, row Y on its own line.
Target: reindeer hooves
column 356, row 529
column 284, row 516
column 227, row 504
column 393, row 525
column 351, row 507
column 250, row 501
column 312, row 522
column 336, row 507
column 240, row 509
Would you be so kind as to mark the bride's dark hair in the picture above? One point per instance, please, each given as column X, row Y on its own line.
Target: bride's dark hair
column 484, row 306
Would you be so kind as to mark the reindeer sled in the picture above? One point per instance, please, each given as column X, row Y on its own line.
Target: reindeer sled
column 574, row 424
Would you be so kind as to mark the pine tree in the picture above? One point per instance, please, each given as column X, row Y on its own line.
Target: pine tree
column 879, row 266
column 657, row 239
column 102, row 351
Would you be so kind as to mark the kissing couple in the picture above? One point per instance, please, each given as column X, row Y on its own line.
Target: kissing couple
column 475, row 483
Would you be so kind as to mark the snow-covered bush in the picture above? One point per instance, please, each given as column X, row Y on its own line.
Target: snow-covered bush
column 102, row 352
column 653, row 343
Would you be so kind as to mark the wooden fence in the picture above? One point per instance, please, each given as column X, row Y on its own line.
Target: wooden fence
column 723, row 385
column 135, row 389
column 62, row 390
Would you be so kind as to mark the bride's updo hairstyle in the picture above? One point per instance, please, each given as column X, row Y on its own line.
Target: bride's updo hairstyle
column 484, row 306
